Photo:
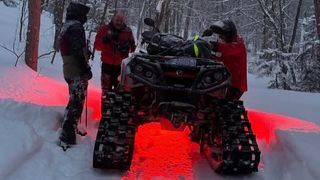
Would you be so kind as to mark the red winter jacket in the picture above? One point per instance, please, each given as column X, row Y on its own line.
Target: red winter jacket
column 110, row 53
column 234, row 56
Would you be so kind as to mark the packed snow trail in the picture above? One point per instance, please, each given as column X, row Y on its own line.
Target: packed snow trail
column 29, row 149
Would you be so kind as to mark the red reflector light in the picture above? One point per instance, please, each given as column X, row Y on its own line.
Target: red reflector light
column 141, row 113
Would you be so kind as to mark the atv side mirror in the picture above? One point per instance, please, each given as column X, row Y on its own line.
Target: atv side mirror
column 207, row 32
column 149, row 22
column 217, row 29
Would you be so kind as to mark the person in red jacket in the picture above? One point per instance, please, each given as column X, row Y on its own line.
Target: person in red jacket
column 115, row 40
column 232, row 52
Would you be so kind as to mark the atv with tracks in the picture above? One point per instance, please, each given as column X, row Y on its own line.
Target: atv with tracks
column 178, row 80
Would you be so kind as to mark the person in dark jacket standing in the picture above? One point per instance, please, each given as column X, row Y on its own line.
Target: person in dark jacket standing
column 76, row 70
column 115, row 40
column 232, row 52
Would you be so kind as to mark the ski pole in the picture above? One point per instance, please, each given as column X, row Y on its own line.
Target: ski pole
column 87, row 108
column 54, row 55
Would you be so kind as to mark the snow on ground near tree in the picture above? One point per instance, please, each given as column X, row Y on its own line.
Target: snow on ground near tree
column 32, row 106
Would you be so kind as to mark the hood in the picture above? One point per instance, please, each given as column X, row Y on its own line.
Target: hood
column 77, row 11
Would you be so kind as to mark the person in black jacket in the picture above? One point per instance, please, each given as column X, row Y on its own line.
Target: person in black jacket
column 76, row 69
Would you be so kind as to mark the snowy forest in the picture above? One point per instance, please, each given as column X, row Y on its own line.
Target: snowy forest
column 282, row 36
column 182, row 127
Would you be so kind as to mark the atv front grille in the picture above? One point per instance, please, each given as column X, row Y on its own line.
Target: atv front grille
column 180, row 78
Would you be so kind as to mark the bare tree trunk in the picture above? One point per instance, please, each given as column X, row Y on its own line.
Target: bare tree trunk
column 162, row 10
column 139, row 28
column 174, row 22
column 167, row 22
column 265, row 31
column 187, row 24
column 58, row 18
column 94, row 13
column 281, row 40
column 116, row 5
column 104, row 12
column 317, row 12
column 264, row 36
column 22, row 16
column 179, row 22
column 270, row 18
column 128, row 11
column 32, row 44
column 295, row 27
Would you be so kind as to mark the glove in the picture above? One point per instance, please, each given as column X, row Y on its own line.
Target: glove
column 108, row 38
column 111, row 36
column 124, row 48
column 217, row 29
column 88, row 73
column 207, row 32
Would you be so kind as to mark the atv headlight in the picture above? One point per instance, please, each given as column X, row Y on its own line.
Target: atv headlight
column 148, row 74
column 218, row 76
column 144, row 71
column 212, row 78
column 208, row 79
column 138, row 68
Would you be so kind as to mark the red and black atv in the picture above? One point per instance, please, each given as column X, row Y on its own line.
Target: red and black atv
column 178, row 80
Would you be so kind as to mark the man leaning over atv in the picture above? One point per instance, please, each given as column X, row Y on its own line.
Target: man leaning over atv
column 231, row 51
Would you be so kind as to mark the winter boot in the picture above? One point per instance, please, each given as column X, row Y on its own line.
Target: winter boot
column 68, row 135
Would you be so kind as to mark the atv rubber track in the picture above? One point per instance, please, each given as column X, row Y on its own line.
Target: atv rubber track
column 116, row 134
column 234, row 149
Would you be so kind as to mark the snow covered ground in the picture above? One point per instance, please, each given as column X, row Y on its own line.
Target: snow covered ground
column 287, row 125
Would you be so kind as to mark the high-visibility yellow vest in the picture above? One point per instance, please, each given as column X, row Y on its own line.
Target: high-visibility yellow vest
column 195, row 47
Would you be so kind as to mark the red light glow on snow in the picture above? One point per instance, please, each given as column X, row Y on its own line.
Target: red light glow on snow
column 41, row 90
column 171, row 155
column 161, row 153
column 265, row 125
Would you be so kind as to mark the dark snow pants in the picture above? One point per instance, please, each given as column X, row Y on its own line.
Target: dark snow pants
column 109, row 75
column 73, row 111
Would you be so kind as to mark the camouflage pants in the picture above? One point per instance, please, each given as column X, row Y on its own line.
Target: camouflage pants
column 73, row 111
